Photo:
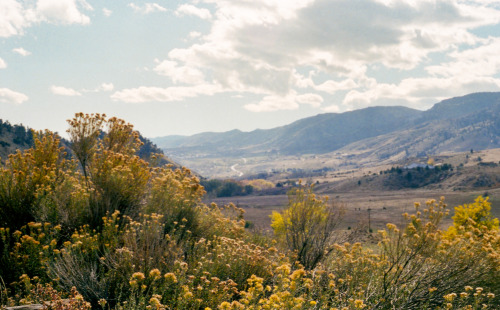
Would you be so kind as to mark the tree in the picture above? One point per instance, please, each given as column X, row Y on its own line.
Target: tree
column 83, row 133
column 307, row 225
column 229, row 189
column 116, row 178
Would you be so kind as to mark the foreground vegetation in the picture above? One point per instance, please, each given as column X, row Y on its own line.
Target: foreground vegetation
column 103, row 228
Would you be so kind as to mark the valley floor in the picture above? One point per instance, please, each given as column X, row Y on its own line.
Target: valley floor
column 385, row 206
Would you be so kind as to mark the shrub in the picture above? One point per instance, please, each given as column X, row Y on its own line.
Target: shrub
column 307, row 225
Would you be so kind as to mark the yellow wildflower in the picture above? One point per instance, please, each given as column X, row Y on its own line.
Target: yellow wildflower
column 170, row 277
column 155, row 274
column 139, row 276
column 359, row 304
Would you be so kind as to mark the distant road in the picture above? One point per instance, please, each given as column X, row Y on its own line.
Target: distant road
column 233, row 167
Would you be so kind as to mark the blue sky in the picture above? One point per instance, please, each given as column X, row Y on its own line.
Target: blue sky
column 183, row 67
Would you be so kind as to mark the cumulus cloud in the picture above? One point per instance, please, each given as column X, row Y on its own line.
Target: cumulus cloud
column 3, row 64
column 259, row 46
column 290, row 101
column 21, row 51
column 147, row 8
column 168, row 94
column 191, row 10
column 331, row 87
column 184, row 74
column 12, row 97
column 418, row 92
column 63, row 11
column 63, row 91
column 16, row 16
column 314, row 100
column 482, row 60
column 106, row 87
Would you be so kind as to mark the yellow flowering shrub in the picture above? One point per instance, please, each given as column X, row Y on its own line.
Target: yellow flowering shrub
column 474, row 215
column 109, row 229
column 306, row 226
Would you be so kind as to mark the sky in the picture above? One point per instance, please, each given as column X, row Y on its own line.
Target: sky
column 176, row 67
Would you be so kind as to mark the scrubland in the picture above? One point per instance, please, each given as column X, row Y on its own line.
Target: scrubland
column 101, row 228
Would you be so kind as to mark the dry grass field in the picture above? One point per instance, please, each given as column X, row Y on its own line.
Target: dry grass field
column 386, row 206
column 341, row 185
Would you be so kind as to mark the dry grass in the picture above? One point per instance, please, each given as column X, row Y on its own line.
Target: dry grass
column 386, row 206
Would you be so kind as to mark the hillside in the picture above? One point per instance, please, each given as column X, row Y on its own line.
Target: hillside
column 318, row 134
column 13, row 137
column 18, row 137
column 476, row 129
column 376, row 133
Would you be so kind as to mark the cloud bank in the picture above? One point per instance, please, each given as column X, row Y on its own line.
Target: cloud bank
column 300, row 51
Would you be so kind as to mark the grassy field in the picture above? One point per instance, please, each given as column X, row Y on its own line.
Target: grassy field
column 385, row 206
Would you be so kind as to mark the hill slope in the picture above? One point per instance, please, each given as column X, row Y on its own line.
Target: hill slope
column 455, row 124
column 318, row 134
column 13, row 137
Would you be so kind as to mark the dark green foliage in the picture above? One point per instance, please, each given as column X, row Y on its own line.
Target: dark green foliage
column 416, row 177
column 230, row 189
column 226, row 188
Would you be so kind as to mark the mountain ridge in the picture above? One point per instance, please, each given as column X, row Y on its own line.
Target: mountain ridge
column 329, row 132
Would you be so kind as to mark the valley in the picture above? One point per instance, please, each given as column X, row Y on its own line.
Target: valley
column 387, row 195
column 361, row 159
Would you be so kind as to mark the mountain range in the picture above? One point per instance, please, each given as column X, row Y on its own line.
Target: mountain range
column 456, row 124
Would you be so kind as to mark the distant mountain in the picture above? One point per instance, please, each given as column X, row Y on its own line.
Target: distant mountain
column 455, row 124
column 461, row 106
column 318, row 134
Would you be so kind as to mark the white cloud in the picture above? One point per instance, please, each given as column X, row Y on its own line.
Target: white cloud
column 63, row 11
column 148, row 94
column 418, row 92
column 63, row 91
column 3, row 64
column 106, row 87
column 332, row 87
column 21, row 51
column 178, row 74
column 482, row 60
column 147, row 8
column 311, row 99
column 12, row 97
column 14, row 18
column 273, row 103
column 290, row 101
column 194, row 34
column 107, row 12
column 191, row 10
column 258, row 47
